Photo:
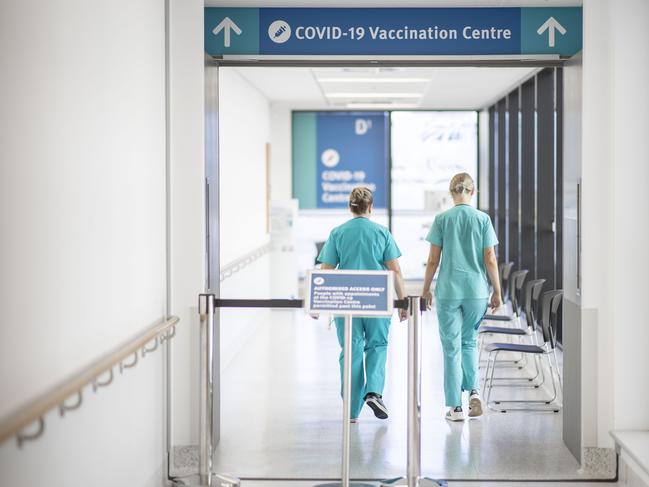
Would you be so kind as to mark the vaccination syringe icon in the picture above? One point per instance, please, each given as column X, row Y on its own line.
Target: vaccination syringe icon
column 279, row 31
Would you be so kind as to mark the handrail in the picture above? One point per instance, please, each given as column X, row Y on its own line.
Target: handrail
column 35, row 409
column 242, row 262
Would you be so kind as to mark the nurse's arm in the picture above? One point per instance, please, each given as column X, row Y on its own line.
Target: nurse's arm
column 491, row 263
column 434, row 256
column 393, row 265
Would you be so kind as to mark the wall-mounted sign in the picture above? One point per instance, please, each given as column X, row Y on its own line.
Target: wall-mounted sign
column 393, row 31
column 356, row 293
column 334, row 152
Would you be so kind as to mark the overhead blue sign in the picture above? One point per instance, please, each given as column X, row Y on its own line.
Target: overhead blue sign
column 356, row 293
column 393, row 31
column 351, row 151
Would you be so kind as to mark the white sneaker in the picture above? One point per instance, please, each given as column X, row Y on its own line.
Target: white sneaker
column 475, row 405
column 455, row 415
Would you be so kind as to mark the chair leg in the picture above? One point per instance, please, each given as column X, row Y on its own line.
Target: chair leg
column 486, row 373
column 549, row 401
column 493, row 369
column 556, row 362
column 487, row 383
column 528, row 381
column 554, row 384
column 480, row 348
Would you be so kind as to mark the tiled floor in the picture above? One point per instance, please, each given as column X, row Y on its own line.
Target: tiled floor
column 281, row 417
column 450, row 484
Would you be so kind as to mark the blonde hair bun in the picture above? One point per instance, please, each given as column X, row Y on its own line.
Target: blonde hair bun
column 360, row 200
column 461, row 183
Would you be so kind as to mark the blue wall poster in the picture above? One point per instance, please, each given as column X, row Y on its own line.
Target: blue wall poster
column 334, row 152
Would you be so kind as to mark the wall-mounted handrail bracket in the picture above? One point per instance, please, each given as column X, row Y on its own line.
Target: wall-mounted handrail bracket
column 168, row 335
column 146, row 350
column 128, row 365
column 63, row 407
column 21, row 437
column 96, row 383
column 238, row 265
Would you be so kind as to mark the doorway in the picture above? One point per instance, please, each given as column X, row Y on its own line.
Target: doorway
column 301, row 344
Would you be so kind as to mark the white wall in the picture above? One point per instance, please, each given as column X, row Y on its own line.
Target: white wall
column 614, row 169
column 629, row 125
column 596, row 203
column 82, row 212
column 244, row 126
column 244, row 131
column 187, row 217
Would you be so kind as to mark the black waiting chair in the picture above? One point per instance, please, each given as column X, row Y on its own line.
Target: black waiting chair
column 318, row 249
column 504, row 274
column 515, row 287
column 548, row 320
column 518, row 278
column 519, row 300
column 505, row 280
column 529, row 298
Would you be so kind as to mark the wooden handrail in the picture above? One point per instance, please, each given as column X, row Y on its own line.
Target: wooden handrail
column 35, row 409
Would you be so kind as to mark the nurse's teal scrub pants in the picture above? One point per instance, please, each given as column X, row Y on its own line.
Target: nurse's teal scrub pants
column 369, row 342
column 459, row 320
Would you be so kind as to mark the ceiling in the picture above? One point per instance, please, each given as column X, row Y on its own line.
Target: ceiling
column 385, row 87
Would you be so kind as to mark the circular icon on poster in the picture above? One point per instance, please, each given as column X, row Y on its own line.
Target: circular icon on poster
column 330, row 157
column 279, row 31
column 318, row 281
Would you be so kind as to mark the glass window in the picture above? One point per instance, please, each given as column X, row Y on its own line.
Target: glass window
column 427, row 148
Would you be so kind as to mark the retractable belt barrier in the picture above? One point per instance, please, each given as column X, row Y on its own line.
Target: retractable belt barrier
column 279, row 303
column 208, row 434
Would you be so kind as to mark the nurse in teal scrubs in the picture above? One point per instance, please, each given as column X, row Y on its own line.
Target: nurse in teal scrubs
column 464, row 239
column 361, row 244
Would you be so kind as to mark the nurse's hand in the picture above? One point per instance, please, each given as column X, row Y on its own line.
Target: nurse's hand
column 403, row 314
column 428, row 298
column 495, row 302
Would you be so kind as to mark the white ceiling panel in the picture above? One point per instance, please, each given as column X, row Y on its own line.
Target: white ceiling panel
column 428, row 88
column 283, row 84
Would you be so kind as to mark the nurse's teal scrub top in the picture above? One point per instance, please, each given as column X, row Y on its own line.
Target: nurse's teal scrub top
column 359, row 244
column 463, row 233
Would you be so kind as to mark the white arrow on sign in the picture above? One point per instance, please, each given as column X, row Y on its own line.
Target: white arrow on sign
column 226, row 26
column 551, row 25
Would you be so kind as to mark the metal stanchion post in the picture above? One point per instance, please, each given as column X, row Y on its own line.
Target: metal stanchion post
column 413, row 469
column 205, row 387
column 347, row 407
column 206, row 478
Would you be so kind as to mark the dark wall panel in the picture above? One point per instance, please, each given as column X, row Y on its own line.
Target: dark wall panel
column 512, row 186
column 558, row 236
column 545, row 169
column 502, row 180
column 528, row 178
column 492, row 164
column 559, row 178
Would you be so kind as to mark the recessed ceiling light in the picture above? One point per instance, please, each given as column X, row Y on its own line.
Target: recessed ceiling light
column 373, row 95
column 382, row 105
column 373, row 80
